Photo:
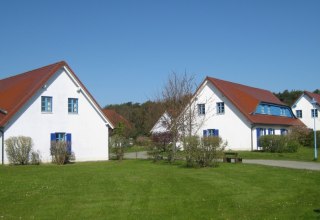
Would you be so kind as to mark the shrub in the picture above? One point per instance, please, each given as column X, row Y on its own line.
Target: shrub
column 190, row 146
column 19, row 150
column 302, row 135
column 279, row 143
column 35, row 158
column 203, row 152
column 60, row 153
column 161, row 145
column 117, row 145
column 143, row 141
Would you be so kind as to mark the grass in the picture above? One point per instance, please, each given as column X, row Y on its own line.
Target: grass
column 303, row 154
column 137, row 189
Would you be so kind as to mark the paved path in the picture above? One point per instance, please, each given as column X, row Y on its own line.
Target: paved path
column 136, row 155
column 275, row 163
column 286, row 163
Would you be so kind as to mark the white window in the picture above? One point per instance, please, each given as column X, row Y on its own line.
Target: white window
column 201, row 109
column 299, row 113
column 72, row 105
column 220, row 107
column 314, row 113
column 46, row 104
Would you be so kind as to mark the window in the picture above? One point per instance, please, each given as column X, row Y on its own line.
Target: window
column 220, row 107
column 201, row 109
column 72, row 105
column 260, row 132
column 262, row 109
column 211, row 132
column 46, row 104
column 283, row 131
column 276, row 110
column 314, row 113
column 270, row 131
column 299, row 113
column 282, row 112
column 61, row 136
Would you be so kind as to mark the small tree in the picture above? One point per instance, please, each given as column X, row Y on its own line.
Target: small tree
column 118, row 143
column 203, row 152
column 60, row 152
column 161, row 145
column 19, row 151
column 175, row 96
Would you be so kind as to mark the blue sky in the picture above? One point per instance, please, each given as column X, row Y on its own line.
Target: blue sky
column 124, row 50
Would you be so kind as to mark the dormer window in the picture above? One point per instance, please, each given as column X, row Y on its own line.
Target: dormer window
column 262, row 109
column 282, row 111
column 273, row 109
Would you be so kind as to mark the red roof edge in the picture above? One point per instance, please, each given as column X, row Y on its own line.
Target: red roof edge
column 19, row 105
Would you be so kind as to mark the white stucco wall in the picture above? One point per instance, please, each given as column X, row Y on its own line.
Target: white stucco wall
column 160, row 127
column 88, row 128
column 304, row 104
column 233, row 126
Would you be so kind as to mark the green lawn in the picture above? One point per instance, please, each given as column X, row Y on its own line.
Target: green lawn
column 140, row 189
column 303, row 154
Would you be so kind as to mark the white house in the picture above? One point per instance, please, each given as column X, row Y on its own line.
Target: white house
column 305, row 111
column 237, row 113
column 50, row 104
column 161, row 125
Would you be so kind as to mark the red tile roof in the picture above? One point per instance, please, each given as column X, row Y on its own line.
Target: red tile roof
column 15, row 91
column 116, row 118
column 313, row 95
column 247, row 98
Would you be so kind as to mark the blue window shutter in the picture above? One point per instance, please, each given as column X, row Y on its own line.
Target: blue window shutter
column 216, row 132
column 270, row 131
column 258, row 136
column 53, row 137
column 68, row 136
column 205, row 133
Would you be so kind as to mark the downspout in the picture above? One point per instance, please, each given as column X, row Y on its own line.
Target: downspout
column 251, row 137
column 2, row 136
column 2, row 148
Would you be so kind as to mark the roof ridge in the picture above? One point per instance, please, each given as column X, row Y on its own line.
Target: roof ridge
column 39, row 68
column 239, row 84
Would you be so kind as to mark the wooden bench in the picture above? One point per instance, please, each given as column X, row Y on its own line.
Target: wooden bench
column 229, row 156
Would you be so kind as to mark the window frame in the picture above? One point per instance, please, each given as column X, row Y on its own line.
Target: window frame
column 72, row 103
column 45, row 100
column 220, row 108
column 299, row 113
column 201, row 109
column 314, row 113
